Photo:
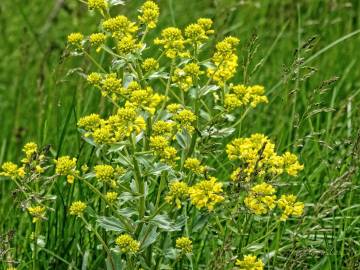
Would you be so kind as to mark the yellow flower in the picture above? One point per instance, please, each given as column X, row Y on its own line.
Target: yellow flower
column 184, row 244
column 70, row 179
column 261, row 199
column 37, row 212
column 173, row 42
column 158, row 143
column 150, row 64
column 90, row 122
column 11, row 170
column 29, row 149
column 127, row 44
column 77, row 208
column 163, row 128
column 102, row 135
column 111, row 196
column 185, row 77
column 194, row 165
column 225, row 61
column 206, row 24
column 110, row 84
column 97, row 4
column 290, row 207
column 149, row 14
column 185, row 119
column 241, row 95
column 174, row 108
column 206, row 193
column 127, row 244
column 94, row 78
column 291, row 164
column 104, row 173
column 250, row 262
column 178, row 192
column 75, row 39
column 97, row 39
column 119, row 26
column 65, row 165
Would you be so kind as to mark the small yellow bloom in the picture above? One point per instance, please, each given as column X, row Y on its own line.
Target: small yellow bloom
column 149, row 14
column 11, row 170
column 250, row 262
column 184, row 244
column 290, row 207
column 173, row 42
column 150, row 64
column 178, row 192
column 185, row 119
column 194, row 165
column 70, row 179
column 206, row 193
column 97, row 39
column 111, row 196
column 97, row 4
column 127, row 244
column 261, row 199
column 77, row 208
column 104, row 173
column 65, row 166
column 75, row 39
column 37, row 212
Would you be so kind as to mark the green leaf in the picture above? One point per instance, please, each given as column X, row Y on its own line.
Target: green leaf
column 110, row 224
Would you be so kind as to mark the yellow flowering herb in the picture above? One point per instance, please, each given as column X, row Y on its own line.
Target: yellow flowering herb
column 104, row 173
column 149, row 14
column 184, row 244
column 178, row 191
column 111, row 196
column 37, row 212
column 11, row 170
column 194, row 165
column 173, row 42
column 97, row 4
column 150, row 64
column 250, row 262
column 261, row 199
column 77, row 208
column 75, row 39
column 185, row 120
column 206, row 194
column 97, row 39
column 290, row 206
column 127, row 244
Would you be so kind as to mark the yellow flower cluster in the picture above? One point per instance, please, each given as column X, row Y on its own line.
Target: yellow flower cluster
column 199, row 32
column 241, row 95
column 290, row 206
column 111, row 196
column 163, row 128
column 150, row 64
column 185, row 77
column 97, row 4
column 11, row 170
column 127, row 44
column 37, row 212
column 178, row 191
column 206, row 194
column 261, row 199
column 127, row 244
column 66, row 166
column 250, row 262
column 29, row 149
column 77, row 208
column 97, row 39
column 104, row 173
column 173, row 42
column 160, row 145
column 119, row 26
column 224, row 60
column 114, row 129
column 258, row 153
column 75, row 39
column 194, row 165
column 184, row 244
column 149, row 14
column 185, row 119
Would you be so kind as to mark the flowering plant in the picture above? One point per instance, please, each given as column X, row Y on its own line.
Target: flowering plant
column 158, row 182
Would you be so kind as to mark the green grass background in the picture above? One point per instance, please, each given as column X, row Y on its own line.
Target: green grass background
column 306, row 53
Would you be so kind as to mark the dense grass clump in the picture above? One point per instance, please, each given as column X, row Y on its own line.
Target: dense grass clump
column 193, row 135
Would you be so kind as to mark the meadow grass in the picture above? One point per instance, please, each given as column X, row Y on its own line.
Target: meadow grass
column 304, row 52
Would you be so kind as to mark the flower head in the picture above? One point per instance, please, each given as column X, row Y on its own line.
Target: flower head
column 206, row 193
column 97, row 4
column 37, row 212
column 194, row 165
column 150, row 64
column 104, row 173
column 261, row 199
column 173, row 42
column 184, row 244
column 250, row 262
column 77, row 208
column 149, row 14
column 111, row 196
column 65, row 165
column 97, row 39
column 75, row 39
column 127, row 244
column 290, row 206
column 177, row 192
column 11, row 170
